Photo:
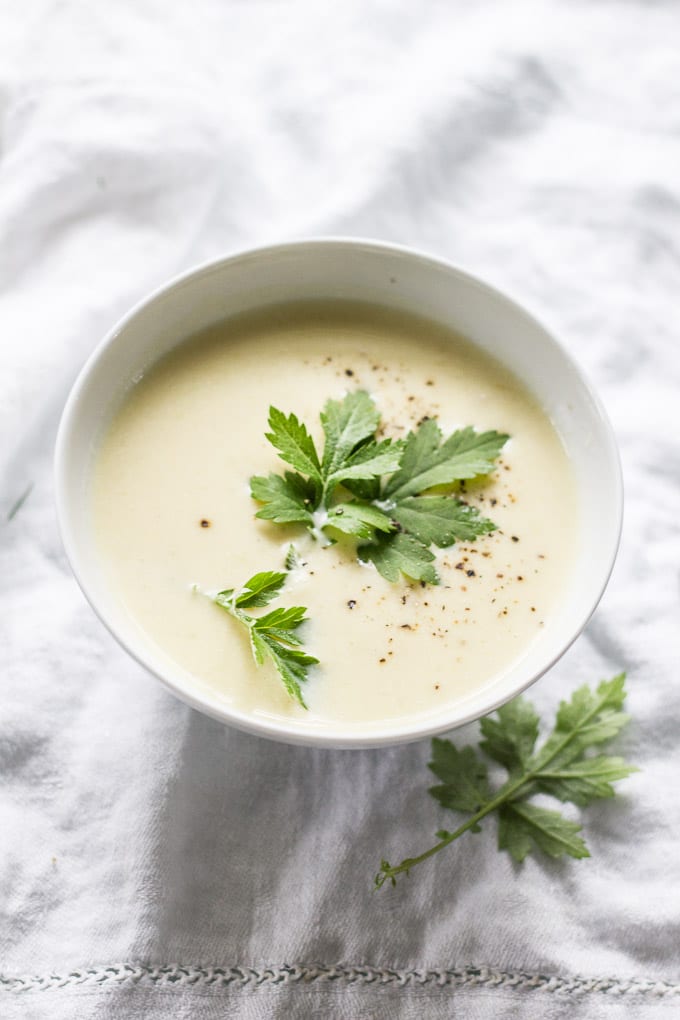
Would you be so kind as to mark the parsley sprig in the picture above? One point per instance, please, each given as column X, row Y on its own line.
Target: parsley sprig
column 562, row 768
column 377, row 492
column 273, row 635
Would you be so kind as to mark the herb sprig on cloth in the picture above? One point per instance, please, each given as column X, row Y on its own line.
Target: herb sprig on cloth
column 378, row 492
column 562, row 767
column 273, row 635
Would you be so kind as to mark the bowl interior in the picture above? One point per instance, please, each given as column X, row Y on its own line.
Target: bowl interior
column 398, row 279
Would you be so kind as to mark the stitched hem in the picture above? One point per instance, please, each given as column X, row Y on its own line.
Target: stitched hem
column 242, row 977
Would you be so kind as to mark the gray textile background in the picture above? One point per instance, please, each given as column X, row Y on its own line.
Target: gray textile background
column 154, row 864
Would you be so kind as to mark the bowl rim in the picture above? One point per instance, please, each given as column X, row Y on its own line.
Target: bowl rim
column 349, row 736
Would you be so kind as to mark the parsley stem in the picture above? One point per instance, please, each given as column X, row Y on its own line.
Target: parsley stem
column 389, row 873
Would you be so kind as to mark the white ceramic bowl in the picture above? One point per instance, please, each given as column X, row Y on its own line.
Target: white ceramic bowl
column 398, row 278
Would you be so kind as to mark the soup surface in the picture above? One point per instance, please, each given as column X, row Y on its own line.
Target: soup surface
column 172, row 511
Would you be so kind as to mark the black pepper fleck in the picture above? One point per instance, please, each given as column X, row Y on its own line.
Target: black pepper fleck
column 205, row 523
column 470, row 573
column 351, row 603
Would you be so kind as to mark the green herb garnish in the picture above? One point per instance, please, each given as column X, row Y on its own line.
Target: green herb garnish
column 377, row 491
column 273, row 635
column 562, row 768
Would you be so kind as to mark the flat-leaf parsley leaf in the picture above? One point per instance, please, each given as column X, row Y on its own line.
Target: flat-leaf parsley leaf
column 273, row 635
column 562, row 767
column 378, row 492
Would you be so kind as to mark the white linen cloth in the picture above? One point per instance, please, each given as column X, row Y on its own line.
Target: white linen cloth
column 153, row 863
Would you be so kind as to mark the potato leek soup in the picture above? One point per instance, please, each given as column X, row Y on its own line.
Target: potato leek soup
column 175, row 520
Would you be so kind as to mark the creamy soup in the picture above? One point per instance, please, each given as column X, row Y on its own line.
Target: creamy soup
column 172, row 511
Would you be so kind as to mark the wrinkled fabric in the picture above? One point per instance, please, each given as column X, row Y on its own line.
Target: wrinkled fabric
column 154, row 863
